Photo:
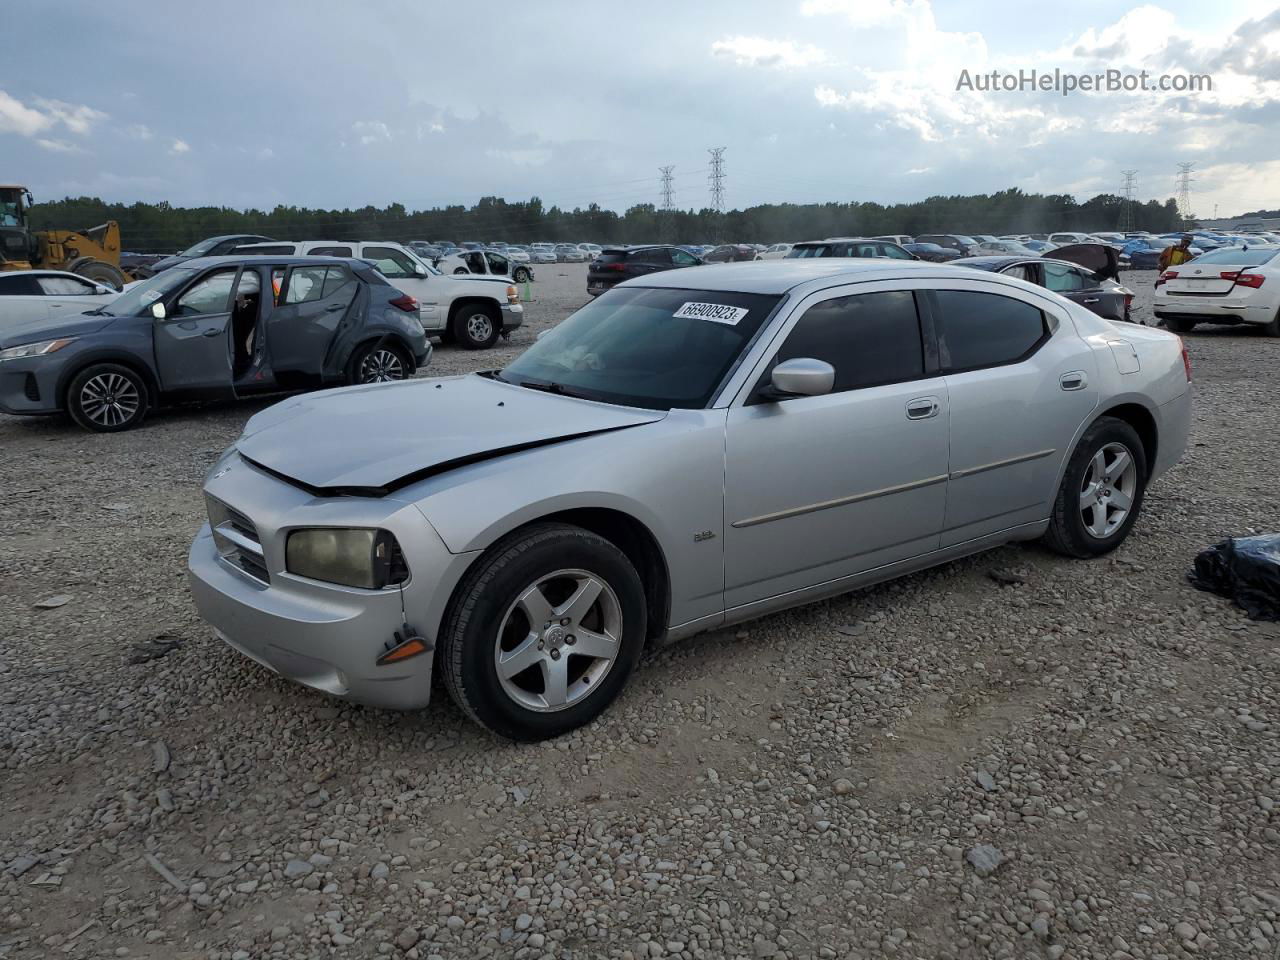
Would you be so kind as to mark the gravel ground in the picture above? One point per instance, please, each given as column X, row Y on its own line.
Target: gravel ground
column 1079, row 763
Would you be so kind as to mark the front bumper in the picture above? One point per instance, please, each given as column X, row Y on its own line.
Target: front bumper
column 512, row 315
column 30, row 385
column 323, row 636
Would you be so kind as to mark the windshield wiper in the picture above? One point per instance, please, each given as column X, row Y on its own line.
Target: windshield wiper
column 551, row 387
column 100, row 312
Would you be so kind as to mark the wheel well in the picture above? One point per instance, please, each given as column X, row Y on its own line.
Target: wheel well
column 1138, row 417
column 141, row 369
column 392, row 340
column 491, row 305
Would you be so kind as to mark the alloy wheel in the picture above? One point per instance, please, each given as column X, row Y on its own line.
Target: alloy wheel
column 558, row 640
column 381, row 366
column 110, row 399
column 479, row 327
column 1108, row 491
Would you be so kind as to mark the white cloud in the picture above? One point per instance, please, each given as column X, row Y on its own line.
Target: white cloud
column 16, row 117
column 180, row 146
column 371, row 131
column 77, row 118
column 763, row 52
column 266, row 153
column 138, row 131
column 58, row 146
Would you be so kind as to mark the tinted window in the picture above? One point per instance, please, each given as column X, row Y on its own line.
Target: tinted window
column 657, row 255
column 305, row 285
column 498, row 263
column 391, row 263
column 612, row 256
column 210, row 295
column 870, row 338
column 1063, row 279
column 19, row 286
column 330, row 252
column 985, row 329
column 279, row 250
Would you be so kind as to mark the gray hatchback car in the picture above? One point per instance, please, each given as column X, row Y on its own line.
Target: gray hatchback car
column 211, row 329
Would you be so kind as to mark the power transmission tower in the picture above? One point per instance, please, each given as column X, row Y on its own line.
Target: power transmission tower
column 665, row 180
column 1130, row 190
column 716, row 179
column 1184, row 182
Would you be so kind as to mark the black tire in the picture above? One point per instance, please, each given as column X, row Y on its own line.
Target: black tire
column 107, row 398
column 1068, row 532
column 379, row 362
column 446, row 336
column 521, row 275
column 100, row 271
column 1272, row 329
column 486, row 600
column 1179, row 325
column 476, row 326
column 460, row 270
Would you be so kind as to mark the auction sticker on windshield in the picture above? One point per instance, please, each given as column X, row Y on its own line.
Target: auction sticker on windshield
column 715, row 312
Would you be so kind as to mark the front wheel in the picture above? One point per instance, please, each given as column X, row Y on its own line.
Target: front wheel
column 107, row 398
column 544, row 632
column 476, row 327
column 460, row 271
column 1101, row 493
column 521, row 276
column 377, row 363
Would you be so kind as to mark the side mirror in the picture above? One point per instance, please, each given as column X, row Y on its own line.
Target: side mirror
column 158, row 311
column 419, row 270
column 800, row 377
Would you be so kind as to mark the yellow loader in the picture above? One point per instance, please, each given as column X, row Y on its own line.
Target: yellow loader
column 93, row 254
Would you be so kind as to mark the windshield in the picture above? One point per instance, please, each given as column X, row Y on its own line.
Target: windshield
column 1237, row 257
column 136, row 299
column 201, row 248
column 653, row 348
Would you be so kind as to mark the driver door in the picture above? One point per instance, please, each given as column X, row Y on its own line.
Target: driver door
column 193, row 342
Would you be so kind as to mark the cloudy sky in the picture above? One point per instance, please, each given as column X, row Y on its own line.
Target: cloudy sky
column 427, row 103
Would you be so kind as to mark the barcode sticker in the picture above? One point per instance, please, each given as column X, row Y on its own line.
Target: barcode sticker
column 715, row 312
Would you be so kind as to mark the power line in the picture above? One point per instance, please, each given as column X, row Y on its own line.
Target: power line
column 1184, row 181
column 1130, row 192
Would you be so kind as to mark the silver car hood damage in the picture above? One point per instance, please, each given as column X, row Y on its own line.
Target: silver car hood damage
column 372, row 440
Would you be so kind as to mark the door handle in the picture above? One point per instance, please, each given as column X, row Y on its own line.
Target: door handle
column 1075, row 380
column 212, row 332
column 923, row 408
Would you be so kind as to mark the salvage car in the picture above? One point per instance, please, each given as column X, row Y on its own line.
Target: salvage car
column 204, row 330
column 1087, row 273
column 27, row 295
column 471, row 311
column 1230, row 285
column 484, row 263
column 691, row 449
column 616, row 264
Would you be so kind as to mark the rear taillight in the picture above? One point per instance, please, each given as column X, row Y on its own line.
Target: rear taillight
column 1229, row 274
column 1166, row 277
column 406, row 303
column 1251, row 280
column 619, row 266
column 1186, row 358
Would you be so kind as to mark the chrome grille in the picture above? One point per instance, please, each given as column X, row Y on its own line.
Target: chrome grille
column 237, row 540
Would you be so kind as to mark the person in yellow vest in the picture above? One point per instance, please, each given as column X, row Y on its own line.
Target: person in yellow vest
column 1172, row 255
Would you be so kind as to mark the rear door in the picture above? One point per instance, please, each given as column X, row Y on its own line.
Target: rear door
column 644, row 262
column 193, row 341
column 1020, row 383
column 313, row 306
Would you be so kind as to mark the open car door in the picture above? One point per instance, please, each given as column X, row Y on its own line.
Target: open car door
column 1099, row 259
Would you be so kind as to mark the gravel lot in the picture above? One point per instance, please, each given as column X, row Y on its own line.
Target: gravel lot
column 1083, row 763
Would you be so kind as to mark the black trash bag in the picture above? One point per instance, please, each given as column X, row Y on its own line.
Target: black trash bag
column 1243, row 569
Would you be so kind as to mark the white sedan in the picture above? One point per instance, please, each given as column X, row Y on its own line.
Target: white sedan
column 48, row 294
column 777, row 251
column 568, row 253
column 1231, row 285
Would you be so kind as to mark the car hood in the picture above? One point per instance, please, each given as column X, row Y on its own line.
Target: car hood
column 372, row 440
column 167, row 262
column 1102, row 260
column 34, row 331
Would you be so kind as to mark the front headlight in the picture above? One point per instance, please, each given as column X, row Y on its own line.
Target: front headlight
column 35, row 349
column 351, row 557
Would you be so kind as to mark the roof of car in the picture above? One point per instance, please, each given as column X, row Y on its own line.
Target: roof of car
column 44, row 273
column 199, row 263
column 781, row 276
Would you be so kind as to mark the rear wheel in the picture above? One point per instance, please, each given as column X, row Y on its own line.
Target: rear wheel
column 378, row 363
column 544, row 632
column 1272, row 329
column 1101, row 493
column 460, row 270
column 107, row 398
column 1179, row 325
column 99, row 271
column 476, row 326
column 521, row 275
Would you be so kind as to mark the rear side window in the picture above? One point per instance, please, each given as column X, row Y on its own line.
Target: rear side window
column 1063, row 279
column 330, row 252
column 977, row 330
column 870, row 339
column 305, row 285
column 335, row 278
column 19, row 286
column 658, row 255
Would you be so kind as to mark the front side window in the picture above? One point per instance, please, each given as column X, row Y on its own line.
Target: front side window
column 65, row 287
column 498, row 263
column 682, row 259
column 869, row 338
column 210, row 295
column 655, row 348
column 895, row 252
column 391, row 263
column 977, row 330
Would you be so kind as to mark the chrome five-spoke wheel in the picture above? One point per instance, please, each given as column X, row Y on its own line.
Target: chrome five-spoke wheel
column 1107, row 493
column 558, row 640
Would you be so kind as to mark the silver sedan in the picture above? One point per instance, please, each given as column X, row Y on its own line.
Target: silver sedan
column 683, row 453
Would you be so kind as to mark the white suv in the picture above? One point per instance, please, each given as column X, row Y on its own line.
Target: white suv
column 473, row 311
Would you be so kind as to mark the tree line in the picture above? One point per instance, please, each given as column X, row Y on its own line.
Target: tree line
column 163, row 228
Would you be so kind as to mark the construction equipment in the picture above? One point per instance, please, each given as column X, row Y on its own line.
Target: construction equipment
column 93, row 254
